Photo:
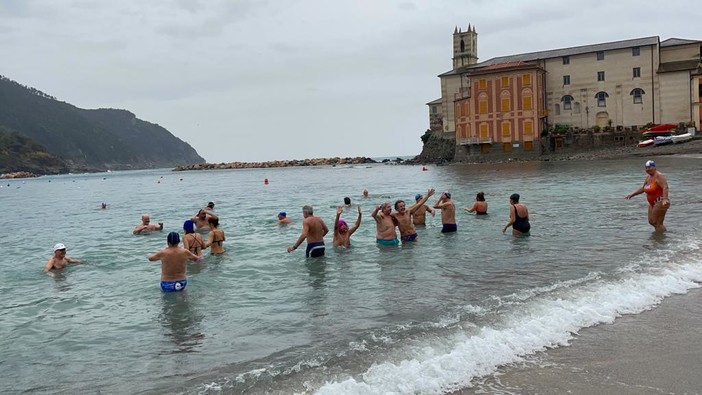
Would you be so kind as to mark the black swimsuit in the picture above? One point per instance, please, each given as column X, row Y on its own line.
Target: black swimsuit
column 520, row 224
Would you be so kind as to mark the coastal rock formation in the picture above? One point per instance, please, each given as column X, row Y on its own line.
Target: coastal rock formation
column 278, row 163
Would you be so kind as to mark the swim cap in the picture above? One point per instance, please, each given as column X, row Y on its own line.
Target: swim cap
column 189, row 226
column 448, row 194
column 210, row 204
column 515, row 197
column 282, row 214
column 173, row 238
column 418, row 196
column 342, row 222
column 59, row 246
column 650, row 163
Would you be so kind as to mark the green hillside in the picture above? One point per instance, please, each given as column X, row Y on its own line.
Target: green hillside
column 89, row 139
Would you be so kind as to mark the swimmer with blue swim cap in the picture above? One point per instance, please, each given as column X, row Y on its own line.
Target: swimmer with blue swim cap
column 173, row 264
column 283, row 218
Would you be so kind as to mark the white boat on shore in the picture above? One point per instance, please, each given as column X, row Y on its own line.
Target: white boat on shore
column 663, row 140
column 681, row 138
column 645, row 143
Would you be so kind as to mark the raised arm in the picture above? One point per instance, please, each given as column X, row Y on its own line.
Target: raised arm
column 374, row 214
column 421, row 201
column 358, row 222
column 339, row 210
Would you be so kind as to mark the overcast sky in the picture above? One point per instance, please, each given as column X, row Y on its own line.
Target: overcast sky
column 257, row 80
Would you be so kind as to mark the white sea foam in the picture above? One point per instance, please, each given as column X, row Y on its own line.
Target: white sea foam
column 545, row 322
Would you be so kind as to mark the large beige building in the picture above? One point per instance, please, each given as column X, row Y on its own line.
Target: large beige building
column 627, row 83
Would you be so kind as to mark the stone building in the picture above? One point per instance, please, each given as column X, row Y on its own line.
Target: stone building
column 503, row 104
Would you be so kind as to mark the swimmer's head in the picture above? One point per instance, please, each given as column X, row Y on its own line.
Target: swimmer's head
column 447, row 194
column 417, row 197
column 514, row 197
column 343, row 226
column 400, row 205
column 650, row 163
column 210, row 204
column 480, row 196
column 347, row 200
column 213, row 221
column 189, row 226
column 282, row 215
column 307, row 211
column 59, row 246
column 173, row 239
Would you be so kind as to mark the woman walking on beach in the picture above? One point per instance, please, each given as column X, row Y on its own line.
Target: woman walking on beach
column 656, row 188
column 480, row 206
column 518, row 217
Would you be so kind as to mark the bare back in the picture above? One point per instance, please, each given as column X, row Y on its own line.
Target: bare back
column 215, row 241
column 448, row 212
column 316, row 229
column 173, row 262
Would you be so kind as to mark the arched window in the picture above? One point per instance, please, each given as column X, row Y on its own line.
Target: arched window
column 505, row 102
column 637, row 93
column 601, row 97
column 567, row 102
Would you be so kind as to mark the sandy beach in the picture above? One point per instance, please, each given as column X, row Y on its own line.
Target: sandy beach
column 655, row 352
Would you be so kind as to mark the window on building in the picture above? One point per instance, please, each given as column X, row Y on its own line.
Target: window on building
column 637, row 94
column 482, row 84
column 526, row 103
column 637, row 72
column 463, row 46
column 504, row 82
column 505, row 104
column 506, row 132
column 576, row 108
column 526, row 79
column 600, row 76
column 566, row 80
column 435, row 110
column 600, row 55
column 484, row 131
column 635, row 51
column 601, row 98
column 567, row 102
column 483, row 106
column 566, row 60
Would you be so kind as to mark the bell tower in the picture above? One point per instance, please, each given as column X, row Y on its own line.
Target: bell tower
column 465, row 47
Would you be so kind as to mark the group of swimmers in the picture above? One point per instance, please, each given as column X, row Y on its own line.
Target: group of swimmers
column 174, row 258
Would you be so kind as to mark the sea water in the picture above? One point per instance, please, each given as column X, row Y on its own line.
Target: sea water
column 429, row 317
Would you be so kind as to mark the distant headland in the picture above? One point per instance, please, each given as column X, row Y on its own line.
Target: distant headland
column 278, row 163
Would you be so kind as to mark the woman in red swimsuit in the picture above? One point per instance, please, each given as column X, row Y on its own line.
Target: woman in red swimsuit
column 656, row 189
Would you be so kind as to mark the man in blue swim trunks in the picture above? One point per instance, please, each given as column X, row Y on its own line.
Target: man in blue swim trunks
column 448, row 212
column 385, row 225
column 314, row 230
column 403, row 217
column 173, row 262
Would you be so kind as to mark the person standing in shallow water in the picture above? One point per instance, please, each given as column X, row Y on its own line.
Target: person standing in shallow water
column 192, row 241
column 480, row 206
column 59, row 260
column 173, row 263
column 403, row 218
column 656, row 188
column 448, row 213
column 419, row 216
column 518, row 217
column 342, row 232
column 215, row 238
column 313, row 229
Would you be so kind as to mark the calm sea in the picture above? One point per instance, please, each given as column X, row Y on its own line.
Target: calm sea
column 432, row 317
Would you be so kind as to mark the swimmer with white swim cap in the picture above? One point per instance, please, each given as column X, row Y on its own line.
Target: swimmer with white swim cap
column 59, row 260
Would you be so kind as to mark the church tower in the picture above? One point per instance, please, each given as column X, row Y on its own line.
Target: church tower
column 465, row 47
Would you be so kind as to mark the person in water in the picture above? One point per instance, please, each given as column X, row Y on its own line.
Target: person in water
column 192, row 241
column 342, row 232
column 59, row 260
column 146, row 226
column 202, row 220
column 313, row 229
column 655, row 187
column 385, row 224
column 419, row 216
column 448, row 212
column 403, row 218
column 365, row 193
column 215, row 238
column 283, row 218
column 173, row 263
column 347, row 202
column 518, row 217
column 480, row 206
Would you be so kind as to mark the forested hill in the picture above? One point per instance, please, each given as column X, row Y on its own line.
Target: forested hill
column 87, row 139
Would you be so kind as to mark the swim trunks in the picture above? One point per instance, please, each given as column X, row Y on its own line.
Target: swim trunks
column 448, row 228
column 412, row 237
column 315, row 250
column 520, row 224
column 480, row 213
column 173, row 286
column 387, row 243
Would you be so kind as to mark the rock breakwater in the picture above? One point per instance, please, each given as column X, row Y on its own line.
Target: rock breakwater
column 277, row 163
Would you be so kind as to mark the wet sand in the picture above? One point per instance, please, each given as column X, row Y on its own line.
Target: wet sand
column 655, row 352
